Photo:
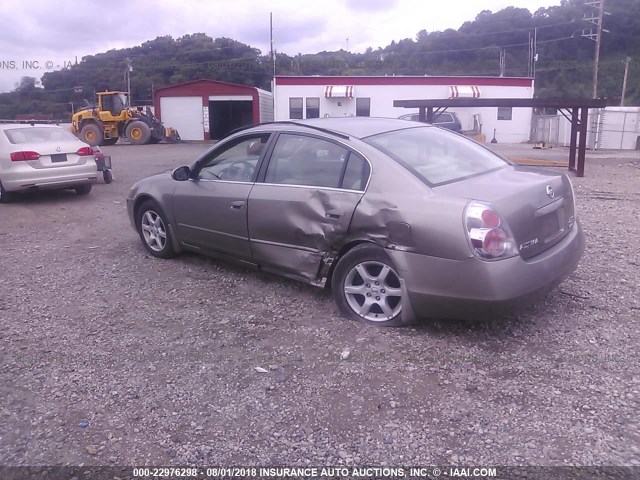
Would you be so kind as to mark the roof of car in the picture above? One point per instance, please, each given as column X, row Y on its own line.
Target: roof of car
column 360, row 127
column 357, row 127
column 9, row 126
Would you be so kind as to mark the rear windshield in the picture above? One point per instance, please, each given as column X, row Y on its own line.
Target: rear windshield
column 437, row 156
column 38, row 135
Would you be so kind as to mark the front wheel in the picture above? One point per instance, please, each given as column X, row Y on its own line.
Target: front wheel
column 366, row 286
column 138, row 132
column 153, row 229
column 84, row 189
column 91, row 134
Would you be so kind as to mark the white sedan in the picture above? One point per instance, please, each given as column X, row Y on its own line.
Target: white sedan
column 43, row 157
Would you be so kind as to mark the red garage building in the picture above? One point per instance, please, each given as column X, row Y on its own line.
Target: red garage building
column 208, row 109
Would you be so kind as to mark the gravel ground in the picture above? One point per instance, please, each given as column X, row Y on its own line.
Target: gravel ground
column 112, row 357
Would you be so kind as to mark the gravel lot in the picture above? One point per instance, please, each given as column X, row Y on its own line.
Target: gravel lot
column 112, row 357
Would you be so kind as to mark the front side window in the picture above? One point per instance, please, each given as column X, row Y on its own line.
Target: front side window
column 235, row 161
column 304, row 160
column 437, row 156
column 295, row 107
column 313, row 107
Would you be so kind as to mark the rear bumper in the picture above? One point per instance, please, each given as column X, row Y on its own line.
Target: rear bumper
column 60, row 177
column 473, row 288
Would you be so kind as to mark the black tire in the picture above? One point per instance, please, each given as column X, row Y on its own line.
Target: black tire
column 107, row 176
column 92, row 135
column 378, row 303
column 6, row 197
column 152, row 226
column 83, row 189
column 138, row 132
column 109, row 141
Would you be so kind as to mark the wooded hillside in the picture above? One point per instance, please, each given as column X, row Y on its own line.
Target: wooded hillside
column 564, row 66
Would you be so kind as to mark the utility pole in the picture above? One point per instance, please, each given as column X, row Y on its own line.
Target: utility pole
column 273, row 56
column 533, row 53
column 597, row 21
column 502, row 61
column 624, row 80
column 128, row 73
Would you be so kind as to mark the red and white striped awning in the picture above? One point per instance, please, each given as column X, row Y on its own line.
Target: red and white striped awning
column 338, row 91
column 464, row 91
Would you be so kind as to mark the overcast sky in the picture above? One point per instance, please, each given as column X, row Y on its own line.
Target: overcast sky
column 52, row 32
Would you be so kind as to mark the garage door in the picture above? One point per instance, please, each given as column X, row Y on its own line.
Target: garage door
column 183, row 114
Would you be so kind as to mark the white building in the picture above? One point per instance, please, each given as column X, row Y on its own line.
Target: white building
column 328, row 96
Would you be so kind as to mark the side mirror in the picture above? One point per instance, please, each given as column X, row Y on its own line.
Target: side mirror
column 181, row 174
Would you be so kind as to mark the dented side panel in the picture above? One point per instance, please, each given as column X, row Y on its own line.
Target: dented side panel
column 400, row 212
column 293, row 228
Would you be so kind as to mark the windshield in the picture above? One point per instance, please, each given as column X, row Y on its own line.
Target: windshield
column 38, row 135
column 437, row 156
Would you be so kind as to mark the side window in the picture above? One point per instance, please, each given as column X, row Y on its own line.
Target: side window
column 295, row 107
column 443, row 118
column 356, row 174
column 303, row 160
column 236, row 161
column 505, row 113
column 313, row 107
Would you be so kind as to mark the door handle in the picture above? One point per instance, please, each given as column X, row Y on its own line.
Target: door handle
column 237, row 205
column 334, row 214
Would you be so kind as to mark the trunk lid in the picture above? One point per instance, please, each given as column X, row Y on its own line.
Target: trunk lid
column 54, row 155
column 537, row 206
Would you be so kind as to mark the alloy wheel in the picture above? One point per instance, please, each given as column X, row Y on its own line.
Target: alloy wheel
column 154, row 231
column 372, row 290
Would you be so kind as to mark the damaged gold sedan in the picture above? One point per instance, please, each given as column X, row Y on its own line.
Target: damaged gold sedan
column 401, row 220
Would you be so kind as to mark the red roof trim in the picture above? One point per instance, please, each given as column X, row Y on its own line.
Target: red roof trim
column 206, row 81
column 407, row 80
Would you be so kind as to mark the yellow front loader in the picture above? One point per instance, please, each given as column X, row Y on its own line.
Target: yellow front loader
column 112, row 119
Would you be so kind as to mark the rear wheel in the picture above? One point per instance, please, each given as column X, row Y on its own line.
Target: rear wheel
column 366, row 286
column 92, row 135
column 138, row 132
column 83, row 189
column 5, row 197
column 153, row 229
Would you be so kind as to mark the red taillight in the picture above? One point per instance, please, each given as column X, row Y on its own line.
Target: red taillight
column 490, row 218
column 84, row 151
column 489, row 236
column 23, row 156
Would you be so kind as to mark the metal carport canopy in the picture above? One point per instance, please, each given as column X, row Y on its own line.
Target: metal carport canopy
column 577, row 112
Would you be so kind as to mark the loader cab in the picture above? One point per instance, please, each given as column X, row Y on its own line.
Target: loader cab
column 114, row 103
